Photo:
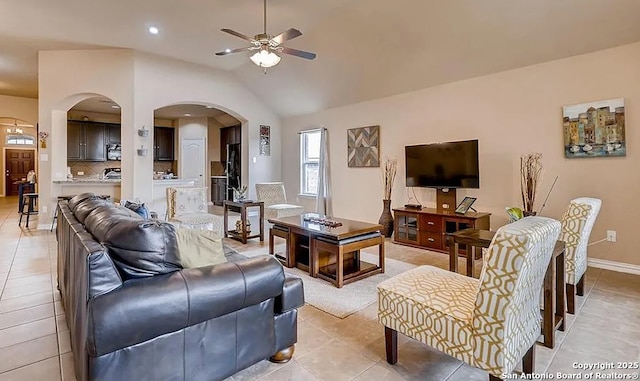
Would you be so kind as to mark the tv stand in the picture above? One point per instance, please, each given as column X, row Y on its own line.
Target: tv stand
column 427, row 228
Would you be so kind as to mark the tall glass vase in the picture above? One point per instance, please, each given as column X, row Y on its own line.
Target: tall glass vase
column 386, row 219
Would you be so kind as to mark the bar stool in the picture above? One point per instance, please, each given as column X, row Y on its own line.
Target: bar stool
column 55, row 214
column 24, row 187
column 29, row 200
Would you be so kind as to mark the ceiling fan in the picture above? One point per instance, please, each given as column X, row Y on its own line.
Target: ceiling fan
column 267, row 46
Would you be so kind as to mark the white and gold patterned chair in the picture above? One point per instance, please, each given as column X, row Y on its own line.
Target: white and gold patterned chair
column 577, row 223
column 490, row 323
column 275, row 201
column 187, row 208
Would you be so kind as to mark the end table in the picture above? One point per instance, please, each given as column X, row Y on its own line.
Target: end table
column 241, row 207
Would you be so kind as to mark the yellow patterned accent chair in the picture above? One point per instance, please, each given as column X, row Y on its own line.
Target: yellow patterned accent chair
column 577, row 223
column 490, row 323
column 275, row 201
column 187, row 208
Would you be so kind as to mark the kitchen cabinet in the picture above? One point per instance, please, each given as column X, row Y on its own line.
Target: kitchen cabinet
column 218, row 189
column 229, row 135
column 112, row 133
column 163, row 143
column 86, row 141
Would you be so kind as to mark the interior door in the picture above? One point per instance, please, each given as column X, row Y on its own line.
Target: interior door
column 192, row 165
column 18, row 164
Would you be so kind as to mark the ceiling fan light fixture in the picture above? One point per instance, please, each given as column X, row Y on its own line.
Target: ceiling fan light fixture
column 265, row 58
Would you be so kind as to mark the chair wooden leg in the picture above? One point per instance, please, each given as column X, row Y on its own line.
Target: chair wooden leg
column 391, row 344
column 529, row 360
column 580, row 286
column 571, row 299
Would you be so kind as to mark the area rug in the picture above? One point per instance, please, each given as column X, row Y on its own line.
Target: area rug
column 351, row 298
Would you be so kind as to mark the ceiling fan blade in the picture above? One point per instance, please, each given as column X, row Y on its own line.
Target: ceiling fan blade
column 288, row 34
column 298, row 53
column 238, row 34
column 231, row 51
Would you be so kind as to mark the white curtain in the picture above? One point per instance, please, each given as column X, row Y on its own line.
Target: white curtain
column 323, row 199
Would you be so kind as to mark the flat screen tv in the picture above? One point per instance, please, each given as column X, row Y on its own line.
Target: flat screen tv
column 443, row 165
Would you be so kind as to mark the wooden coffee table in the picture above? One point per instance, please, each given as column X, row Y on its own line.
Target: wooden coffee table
column 331, row 253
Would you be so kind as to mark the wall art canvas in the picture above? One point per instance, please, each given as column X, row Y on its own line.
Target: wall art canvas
column 265, row 140
column 595, row 129
column 363, row 147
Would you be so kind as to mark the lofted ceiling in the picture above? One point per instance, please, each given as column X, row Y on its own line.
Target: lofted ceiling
column 366, row 49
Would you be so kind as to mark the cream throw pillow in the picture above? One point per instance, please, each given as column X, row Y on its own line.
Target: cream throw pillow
column 199, row 248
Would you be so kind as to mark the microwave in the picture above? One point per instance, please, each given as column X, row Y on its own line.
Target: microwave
column 114, row 152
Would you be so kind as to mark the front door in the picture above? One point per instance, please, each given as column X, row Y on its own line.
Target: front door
column 18, row 164
column 192, row 164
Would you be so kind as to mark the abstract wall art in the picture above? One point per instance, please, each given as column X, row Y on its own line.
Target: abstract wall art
column 363, row 147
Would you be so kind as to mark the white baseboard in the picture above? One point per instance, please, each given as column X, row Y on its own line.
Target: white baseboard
column 620, row 267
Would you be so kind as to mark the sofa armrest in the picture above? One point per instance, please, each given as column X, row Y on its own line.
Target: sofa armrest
column 292, row 294
column 146, row 308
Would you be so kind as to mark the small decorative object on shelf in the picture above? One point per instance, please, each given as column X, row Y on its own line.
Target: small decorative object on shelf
column 142, row 151
column 239, row 227
column 143, row 132
column 389, row 169
column 530, row 178
column 43, row 138
column 323, row 221
column 240, row 193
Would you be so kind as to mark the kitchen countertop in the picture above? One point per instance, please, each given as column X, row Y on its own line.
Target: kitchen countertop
column 88, row 181
column 218, row 177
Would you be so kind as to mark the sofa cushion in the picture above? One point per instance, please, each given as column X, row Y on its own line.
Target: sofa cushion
column 83, row 208
column 199, row 248
column 104, row 217
column 142, row 248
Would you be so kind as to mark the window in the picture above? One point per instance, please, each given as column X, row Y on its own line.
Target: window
column 20, row 140
column 309, row 161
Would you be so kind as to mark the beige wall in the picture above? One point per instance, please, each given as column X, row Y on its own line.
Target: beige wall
column 25, row 109
column 511, row 113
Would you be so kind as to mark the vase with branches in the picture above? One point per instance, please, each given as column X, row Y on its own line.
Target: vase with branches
column 389, row 169
column 530, row 178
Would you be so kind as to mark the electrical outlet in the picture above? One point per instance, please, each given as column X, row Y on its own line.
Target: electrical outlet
column 80, row 173
column 611, row 235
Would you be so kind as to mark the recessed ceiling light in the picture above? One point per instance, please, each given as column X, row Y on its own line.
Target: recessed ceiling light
column 187, row 114
column 154, row 30
column 227, row 50
column 115, row 106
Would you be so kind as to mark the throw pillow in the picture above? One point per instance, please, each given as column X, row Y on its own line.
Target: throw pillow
column 198, row 248
column 141, row 209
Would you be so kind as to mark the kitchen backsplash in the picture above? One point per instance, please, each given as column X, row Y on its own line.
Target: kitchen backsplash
column 95, row 168
column 90, row 168
column 163, row 166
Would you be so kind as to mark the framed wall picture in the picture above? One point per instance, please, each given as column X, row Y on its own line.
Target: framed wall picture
column 465, row 205
column 265, row 140
column 363, row 147
column 595, row 129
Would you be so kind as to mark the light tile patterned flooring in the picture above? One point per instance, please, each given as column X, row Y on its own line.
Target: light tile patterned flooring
column 34, row 338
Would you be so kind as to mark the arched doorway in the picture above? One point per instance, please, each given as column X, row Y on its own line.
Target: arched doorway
column 206, row 147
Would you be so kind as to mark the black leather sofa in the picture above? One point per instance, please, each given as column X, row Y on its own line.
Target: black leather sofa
column 135, row 314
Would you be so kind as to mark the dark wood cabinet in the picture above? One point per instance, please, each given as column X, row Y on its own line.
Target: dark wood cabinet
column 229, row 135
column 86, row 141
column 112, row 132
column 428, row 228
column 75, row 139
column 218, row 190
column 163, row 143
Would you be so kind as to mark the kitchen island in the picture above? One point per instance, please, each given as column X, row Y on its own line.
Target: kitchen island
column 110, row 187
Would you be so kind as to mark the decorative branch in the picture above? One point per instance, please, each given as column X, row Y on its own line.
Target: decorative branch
column 530, row 178
column 389, row 169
